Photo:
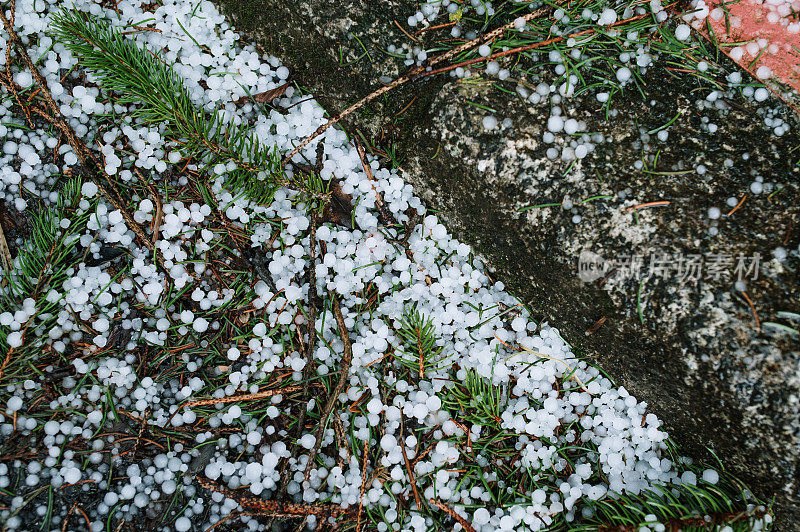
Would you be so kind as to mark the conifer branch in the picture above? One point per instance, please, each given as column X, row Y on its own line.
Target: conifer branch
column 418, row 350
column 156, row 93
column 54, row 116
column 41, row 265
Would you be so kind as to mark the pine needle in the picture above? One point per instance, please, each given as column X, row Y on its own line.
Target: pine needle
column 570, row 370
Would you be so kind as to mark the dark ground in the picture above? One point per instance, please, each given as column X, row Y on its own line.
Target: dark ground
column 692, row 351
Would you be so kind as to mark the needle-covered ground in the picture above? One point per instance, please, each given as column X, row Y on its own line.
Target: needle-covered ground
column 196, row 336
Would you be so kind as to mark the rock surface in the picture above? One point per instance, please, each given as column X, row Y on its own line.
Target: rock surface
column 692, row 350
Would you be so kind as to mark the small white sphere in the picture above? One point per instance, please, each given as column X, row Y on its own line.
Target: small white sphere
column 682, row 32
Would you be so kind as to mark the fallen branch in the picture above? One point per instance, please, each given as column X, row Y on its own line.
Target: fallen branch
column 271, row 508
column 347, row 359
column 449, row 511
column 246, row 397
column 83, row 153
column 409, row 469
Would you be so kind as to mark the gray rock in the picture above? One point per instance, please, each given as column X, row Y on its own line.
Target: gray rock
column 691, row 350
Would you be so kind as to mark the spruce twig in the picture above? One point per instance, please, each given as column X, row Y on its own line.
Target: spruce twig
column 83, row 153
column 140, row 78
column 418, row 350
column 41, row 263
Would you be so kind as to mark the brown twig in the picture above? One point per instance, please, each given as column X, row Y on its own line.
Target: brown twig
column 142, row 425
column 66, row 517
column 155, row 225
column 159, row 217
column 246, row 397
column 338, row 118
column 405, row 31
column 421, row 357
column 271, row 508
column 341, row 439
column 437, row 27
column 363, row 485
column 347, row 359
column 449, row 511
column 403, row 110
column 409, row 471
column 139, row 29
column 7, row 81
column 85, row 517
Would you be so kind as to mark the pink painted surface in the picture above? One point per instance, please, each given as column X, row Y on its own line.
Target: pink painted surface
column 765, row 29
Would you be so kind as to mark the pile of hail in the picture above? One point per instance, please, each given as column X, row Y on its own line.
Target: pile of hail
column 178, row 356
